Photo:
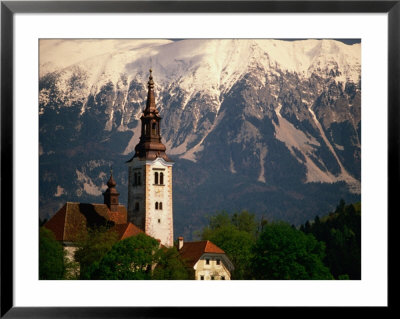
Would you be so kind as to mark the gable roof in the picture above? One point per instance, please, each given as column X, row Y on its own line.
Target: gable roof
column 192, row 251
column 73, row 219
column 127, row 230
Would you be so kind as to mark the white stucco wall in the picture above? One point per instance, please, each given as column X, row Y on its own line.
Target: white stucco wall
column 202, row 269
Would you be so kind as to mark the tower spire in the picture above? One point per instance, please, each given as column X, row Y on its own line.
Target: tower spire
column 151, row 101
column 150, row 146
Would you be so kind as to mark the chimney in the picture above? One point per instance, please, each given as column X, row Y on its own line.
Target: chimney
column 180, row 243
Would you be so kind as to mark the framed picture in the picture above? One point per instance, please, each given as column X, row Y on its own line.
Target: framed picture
column 26, row 27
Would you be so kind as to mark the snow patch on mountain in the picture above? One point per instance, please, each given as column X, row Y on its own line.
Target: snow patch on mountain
column 263, row 154
column 60, row 191
column 87, row 184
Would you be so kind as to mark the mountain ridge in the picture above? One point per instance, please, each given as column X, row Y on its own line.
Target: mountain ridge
column 226, row 105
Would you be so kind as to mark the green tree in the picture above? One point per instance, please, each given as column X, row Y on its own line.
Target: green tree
column 283, row 252
column 170, row 265
column 235, row 235
column 51, row 256
column 341, row 232
column 131, row 258
column 245, row 221
column 220, row 219
column 92, row 246
column 237, row 245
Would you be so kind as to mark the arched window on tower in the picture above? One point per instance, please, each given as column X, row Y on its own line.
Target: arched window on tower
column 160, row 205
column 154, row 129
column 162, row 178
column 156, row 178
column 137, row 206
column 156, row 205
column 139, row 182
column 135, row 181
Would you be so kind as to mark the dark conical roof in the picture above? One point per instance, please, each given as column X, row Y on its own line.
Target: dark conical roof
column 111, row 182
column 151, row 101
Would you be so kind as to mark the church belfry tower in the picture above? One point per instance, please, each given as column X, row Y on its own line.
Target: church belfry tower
column 150, row 177
column 111, row 195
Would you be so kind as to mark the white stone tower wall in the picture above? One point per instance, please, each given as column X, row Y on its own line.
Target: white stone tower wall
column 159, row 222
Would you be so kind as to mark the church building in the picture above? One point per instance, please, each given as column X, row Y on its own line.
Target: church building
column 149, row 205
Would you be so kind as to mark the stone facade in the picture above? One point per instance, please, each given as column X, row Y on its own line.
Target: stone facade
column 150, row 203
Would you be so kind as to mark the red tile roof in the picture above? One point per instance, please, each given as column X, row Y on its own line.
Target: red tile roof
column 192, row 251
column 73, row 219
column 127, row 230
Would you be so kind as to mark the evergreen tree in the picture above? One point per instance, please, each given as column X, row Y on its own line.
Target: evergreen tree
column 341, row 232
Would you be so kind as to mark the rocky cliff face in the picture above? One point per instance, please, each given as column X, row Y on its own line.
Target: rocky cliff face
column 265, row 125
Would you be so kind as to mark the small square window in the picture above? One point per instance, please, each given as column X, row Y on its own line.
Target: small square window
column 201, row 277
column 212, row 277
column 222, row 277
column 218, row 262
column 207, row 261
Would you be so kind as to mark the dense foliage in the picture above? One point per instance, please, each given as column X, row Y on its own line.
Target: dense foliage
column 131, row 258
column 283, row 252
column 325, row 248
column 235, row 235
column 51, row 256
column 341, row 231
column 170, row 266
column 91, row 248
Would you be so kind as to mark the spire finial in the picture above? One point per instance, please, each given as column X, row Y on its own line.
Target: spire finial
column 111, row 182
column 151, row 83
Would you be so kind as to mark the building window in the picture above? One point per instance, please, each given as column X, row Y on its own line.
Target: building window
column 201, row 277
column 160, row 205
column 136, row 206
column 159, row 221
column 156, row 178
column 222, row 277
column 154, row 128
column 162, row 178
column 207, row 261
column 218, row 262
column 156, row 205
column 212, row 277
column 136, row 179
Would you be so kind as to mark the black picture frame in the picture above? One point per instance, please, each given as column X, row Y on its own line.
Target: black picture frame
column 9, row 8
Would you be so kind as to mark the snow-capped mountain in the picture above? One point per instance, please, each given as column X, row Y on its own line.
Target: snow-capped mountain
column 271, row 126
